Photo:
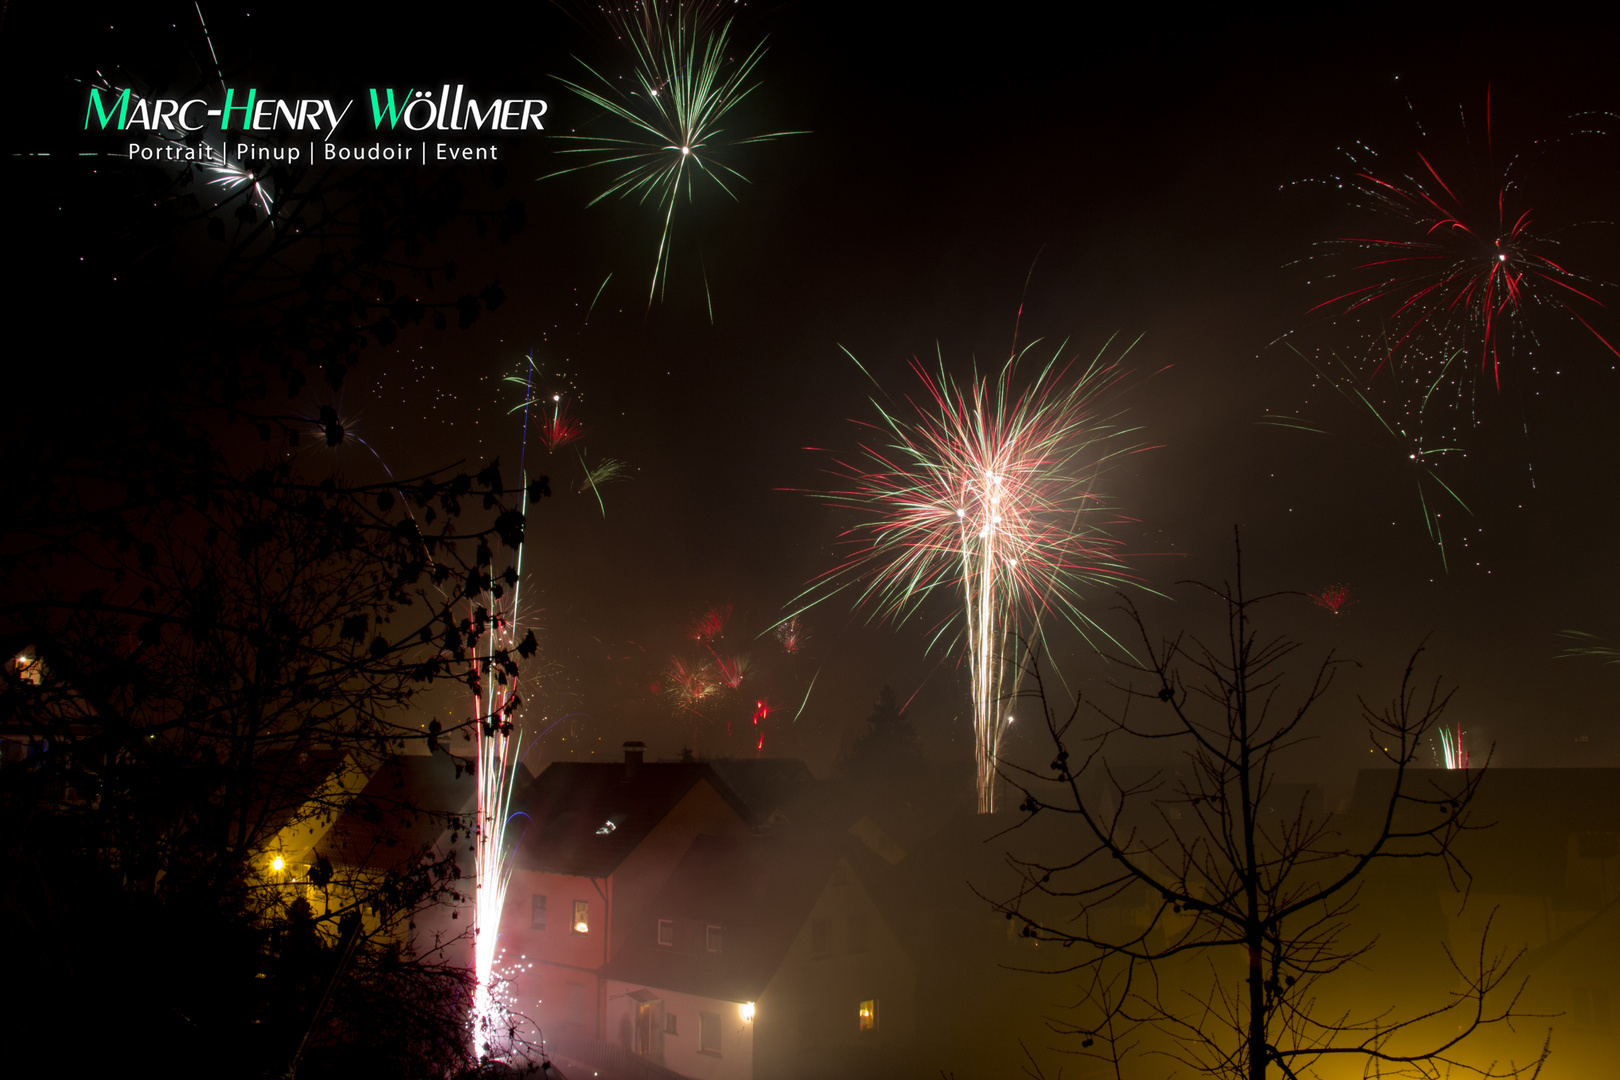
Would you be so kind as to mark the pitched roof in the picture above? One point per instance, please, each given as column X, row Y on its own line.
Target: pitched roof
column 759, row 891
column 294, row 795
column 401, row 812
column 587, row 817
column 766, row 785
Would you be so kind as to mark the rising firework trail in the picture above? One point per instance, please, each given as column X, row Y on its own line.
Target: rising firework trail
column 493, row 634
column 1452, row 753
column 675, row 123
column 986, row 490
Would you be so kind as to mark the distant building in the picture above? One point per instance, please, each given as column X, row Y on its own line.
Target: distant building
column 598, row 841
column 1537, row 877
column 760, row 959
column 404, row 833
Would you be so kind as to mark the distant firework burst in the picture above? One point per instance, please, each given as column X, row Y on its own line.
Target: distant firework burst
column 674, row 122
column 1453, row 755
column 689, row 685
column 1451, row 262
column 547, row 408
column 1334, row 598
column 986, row 490
column 707, row 628
column 791, row 635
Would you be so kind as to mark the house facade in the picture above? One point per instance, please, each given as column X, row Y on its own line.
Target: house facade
column 758, row 959
column 598, row 841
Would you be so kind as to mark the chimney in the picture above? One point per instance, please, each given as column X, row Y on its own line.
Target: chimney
column 633, row 753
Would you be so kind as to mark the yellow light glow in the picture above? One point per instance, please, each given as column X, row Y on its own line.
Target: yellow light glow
column 748, row 1010
column 278, row 864
column 582, row 928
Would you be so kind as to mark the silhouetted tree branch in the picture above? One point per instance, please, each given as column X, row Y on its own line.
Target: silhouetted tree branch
column 1209, row 911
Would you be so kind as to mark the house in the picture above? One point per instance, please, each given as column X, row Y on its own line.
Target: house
column 761, row 958
column 398, row 844
column 600, row 839
column 1536, row 880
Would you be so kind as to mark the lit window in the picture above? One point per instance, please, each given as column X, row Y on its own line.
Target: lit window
column 747, row 1010
column 709, row 1033
column 28, row 668
column 711, row 938
column 666, row 931
column 869, row 1015
column 582, row 916
column 537, row 912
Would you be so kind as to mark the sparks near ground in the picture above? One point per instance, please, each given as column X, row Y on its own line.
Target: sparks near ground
column 987, row 490
column 1452, row 753
column 493, row 639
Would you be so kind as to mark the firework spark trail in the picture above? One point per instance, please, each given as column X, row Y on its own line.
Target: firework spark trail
column 987, row 491
column 1408, row 433
column 1453, row 755
column 673, row 121
column 731, row 669
column 499, row 754
column 223, row 172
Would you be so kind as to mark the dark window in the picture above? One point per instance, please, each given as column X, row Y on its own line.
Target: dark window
column 669, row 1024
column 709, row 1033
column 537, row 912
column 576, row 1000
column 711, row 938
column 1592, row 1008
column 666, row 931
column 820, row 937
column 1598, row 845
column 857, row 931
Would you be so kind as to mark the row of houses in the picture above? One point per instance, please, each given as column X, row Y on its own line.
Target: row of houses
column 656, row 923
column 732, row 920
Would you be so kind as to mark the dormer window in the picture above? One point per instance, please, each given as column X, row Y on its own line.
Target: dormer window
column 606, row 827
column 666, row 932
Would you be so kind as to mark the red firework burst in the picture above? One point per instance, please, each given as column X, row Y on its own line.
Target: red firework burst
column 1334, row 597
column 731, row 669
column 558, row 426
column 707, row 627
column 1460, row 270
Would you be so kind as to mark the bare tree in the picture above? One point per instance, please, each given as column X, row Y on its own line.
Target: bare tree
column 1207, row 907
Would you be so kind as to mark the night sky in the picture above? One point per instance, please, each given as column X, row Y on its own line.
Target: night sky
column 1112, row 175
